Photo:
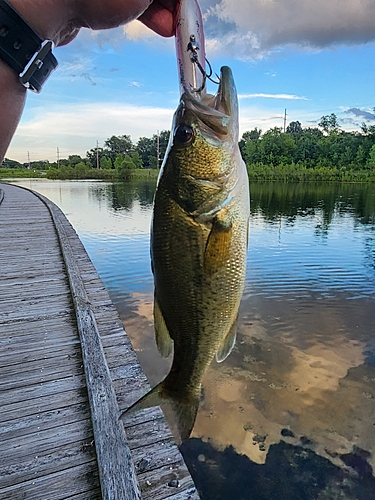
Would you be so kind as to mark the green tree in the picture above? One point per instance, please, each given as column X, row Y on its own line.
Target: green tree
column 124, row 164
column 308, row 147
column 115, row 145
column 152, row 162
column 74, row 160
column 251, row 151
column 148, row 148
column 294, row 129
column 361, row 156
column 277, row 147
column 329, row 123
column 118, row 161
column 7, row 163
column 105, row 163
column 145, row 148
column 136, row 159
column 371, row 159
column 81, row 170
column 250, row 135
column 95, row 154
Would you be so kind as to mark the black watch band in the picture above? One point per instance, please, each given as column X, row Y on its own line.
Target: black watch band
column 23, row 50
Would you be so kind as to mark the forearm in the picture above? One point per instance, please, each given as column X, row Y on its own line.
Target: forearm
column 12, row 100
column 50, row 21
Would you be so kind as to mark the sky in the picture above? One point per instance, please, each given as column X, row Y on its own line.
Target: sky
column 308, row 57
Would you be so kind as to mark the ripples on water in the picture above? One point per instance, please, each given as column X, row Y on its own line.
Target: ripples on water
column 291, row 413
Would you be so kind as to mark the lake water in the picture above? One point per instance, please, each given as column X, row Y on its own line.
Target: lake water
column 290, row 414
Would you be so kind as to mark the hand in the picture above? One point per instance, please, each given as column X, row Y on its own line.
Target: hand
column 61, row 20
column 99, row 14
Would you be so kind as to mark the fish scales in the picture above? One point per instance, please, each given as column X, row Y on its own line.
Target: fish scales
column 198, row 287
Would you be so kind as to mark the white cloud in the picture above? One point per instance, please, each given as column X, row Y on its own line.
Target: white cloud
column 248, row 29
column 273, row 96
column 75, row 128
column 136, row 30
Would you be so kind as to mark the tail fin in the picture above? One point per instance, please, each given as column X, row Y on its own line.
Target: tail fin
column 181, row 411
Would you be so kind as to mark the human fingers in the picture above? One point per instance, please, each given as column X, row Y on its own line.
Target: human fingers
column 160, row 17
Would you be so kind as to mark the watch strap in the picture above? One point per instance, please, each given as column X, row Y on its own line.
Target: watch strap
column 23, row 50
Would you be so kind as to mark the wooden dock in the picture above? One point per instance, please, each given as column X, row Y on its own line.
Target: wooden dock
column 66, row 367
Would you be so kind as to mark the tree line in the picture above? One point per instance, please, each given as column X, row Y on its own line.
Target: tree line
column 118, row 153
column 324, row 152
column 326, row 146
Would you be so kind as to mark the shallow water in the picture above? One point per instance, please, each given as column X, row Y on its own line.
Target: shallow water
column 291, row 413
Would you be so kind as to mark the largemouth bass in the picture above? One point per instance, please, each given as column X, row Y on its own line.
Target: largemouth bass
column 198, row 245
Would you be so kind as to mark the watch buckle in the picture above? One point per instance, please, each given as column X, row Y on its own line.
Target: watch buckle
column 34, row 65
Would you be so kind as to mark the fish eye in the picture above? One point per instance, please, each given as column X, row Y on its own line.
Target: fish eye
column 184, row 134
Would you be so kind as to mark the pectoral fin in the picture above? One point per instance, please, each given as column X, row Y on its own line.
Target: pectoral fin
column 163, row 339
column 218, row 243
column 227, row 344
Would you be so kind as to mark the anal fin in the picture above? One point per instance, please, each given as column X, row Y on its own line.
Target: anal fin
column 228, row 343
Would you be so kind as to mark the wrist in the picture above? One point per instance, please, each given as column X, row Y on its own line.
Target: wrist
column 12, row 100
column 51, row 20
column 23, row 50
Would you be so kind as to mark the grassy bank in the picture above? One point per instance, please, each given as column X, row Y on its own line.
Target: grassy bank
column 22, row 173
column 257, row 172
column 66, row 173
column 298, row 173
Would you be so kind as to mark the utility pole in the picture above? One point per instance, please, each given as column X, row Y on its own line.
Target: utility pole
column 28, row 159
column 58, row 157
column 97, row 155
column 284, row 120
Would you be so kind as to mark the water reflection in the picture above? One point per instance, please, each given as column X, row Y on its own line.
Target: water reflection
column 291, row 412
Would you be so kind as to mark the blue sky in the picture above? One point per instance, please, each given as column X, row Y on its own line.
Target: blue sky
column 310, row 57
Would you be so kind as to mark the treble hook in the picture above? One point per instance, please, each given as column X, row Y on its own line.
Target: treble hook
column 193, row 47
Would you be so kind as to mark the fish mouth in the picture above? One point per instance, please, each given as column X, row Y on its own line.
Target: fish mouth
column 217, row 115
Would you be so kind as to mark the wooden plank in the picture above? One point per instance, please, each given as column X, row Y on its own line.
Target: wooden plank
column 43, row 404
column 45, row 325
column 23, row 468
column 34, row 292
column 141, row 416
column 152, row 457
column 45, row 440
column 148, row 432
column 59, row 485
column 116, row 470
column 49, row 371
column 53, row 387
column 31, row 424
column 26, row 345
column 165, row 481
column 54, row 402
column 35, row 309
column 67, row 357
column 94, row 495
column 32, row 354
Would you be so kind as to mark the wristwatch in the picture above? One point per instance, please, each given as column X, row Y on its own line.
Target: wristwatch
column 22, row 49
